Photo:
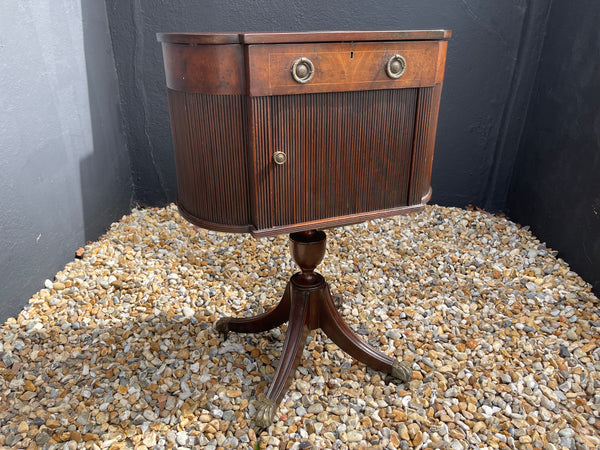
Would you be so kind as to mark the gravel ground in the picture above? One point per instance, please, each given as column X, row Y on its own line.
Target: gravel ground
column 118, row 351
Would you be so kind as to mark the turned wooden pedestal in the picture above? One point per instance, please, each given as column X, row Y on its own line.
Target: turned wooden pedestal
column 306, row 305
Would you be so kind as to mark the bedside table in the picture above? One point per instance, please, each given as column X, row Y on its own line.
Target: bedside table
column 294, row 132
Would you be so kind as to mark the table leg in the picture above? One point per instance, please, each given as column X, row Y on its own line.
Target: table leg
column 298, row 328
column 338, row 331
column 263, row 322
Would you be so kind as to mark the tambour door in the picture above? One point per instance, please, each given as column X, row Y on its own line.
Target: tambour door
column 345, row 153
column 335, row 126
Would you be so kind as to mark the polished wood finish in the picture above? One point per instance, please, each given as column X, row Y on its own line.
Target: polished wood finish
column 344, row 36
column 309, row 36
column 307, row 305
column 359, row 144
column 426, row 118
column 212, row 188
column 205, row 69
column 241, row 191
column 200, row 38
column 341, row 67
column 365, row 165
column 358, row 66
column 341, row 220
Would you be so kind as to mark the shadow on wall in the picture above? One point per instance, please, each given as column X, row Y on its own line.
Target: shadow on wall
column 105, row 175
column 556, row 186
column 64, row 164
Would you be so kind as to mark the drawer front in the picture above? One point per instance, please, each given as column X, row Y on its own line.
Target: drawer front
column 339, row 67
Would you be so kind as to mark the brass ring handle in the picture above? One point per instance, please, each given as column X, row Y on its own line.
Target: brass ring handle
column 396, row 66
column 279, row 158
column 303, row 70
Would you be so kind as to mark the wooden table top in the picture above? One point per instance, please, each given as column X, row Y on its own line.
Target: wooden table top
column 309, row 36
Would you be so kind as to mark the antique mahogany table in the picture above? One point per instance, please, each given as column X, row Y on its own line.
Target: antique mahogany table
column 294, row 132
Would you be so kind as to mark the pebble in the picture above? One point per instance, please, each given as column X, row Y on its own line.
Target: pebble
column 316, row 408
column 403, row 432
column 572, row 335
column 300, row 411
column 182, row 438
column 564, row 352
column 566, row 432
column 187, row 311
column 500, row 333
column 150, row 415
column 354, row 436
column 506, row 378
column 42, row 438
column 231, row 443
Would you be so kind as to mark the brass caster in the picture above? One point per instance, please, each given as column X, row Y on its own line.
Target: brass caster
column 402, row 371
column 265, row 414
column 222, row 326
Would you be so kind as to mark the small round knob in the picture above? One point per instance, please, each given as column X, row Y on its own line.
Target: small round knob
column 279, row 158
column 303, row 70
column 396, row 66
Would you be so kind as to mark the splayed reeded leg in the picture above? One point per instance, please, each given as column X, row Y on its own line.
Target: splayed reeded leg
column 338, row 331
column 290, row 355
column 276, row 316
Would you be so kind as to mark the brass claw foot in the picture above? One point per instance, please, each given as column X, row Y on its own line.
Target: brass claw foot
column 222, row 326
column 402, row 371
column 265, row 414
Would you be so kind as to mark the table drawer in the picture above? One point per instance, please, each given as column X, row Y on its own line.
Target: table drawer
column 338, row 67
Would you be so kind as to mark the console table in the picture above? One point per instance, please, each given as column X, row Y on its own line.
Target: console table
column 295, row 132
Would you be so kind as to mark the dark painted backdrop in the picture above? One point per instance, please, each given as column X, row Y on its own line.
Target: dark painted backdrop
column 556, row 181
column 491, row 64
column 505, row 114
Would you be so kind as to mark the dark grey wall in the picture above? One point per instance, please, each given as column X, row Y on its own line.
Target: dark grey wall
column 490, row 67
column 66, row 122
column 556, row 182
column 64, row 168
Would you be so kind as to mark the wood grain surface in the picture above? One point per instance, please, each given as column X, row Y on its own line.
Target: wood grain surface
column 359, row 144
column 342, row 67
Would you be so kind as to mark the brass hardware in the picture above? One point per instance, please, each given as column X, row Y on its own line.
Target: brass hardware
column 279, row 158
column 222, row 326
column 396, row 66
column 402, row 371
column 265, row 413
column 303, row 70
